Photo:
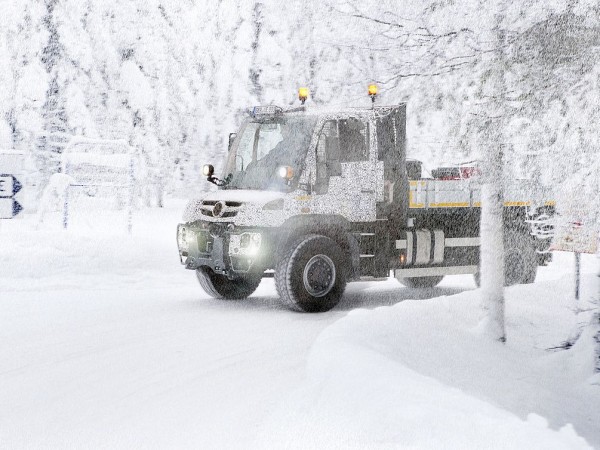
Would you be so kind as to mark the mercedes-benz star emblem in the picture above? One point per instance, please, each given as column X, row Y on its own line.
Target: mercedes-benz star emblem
column 218, row 209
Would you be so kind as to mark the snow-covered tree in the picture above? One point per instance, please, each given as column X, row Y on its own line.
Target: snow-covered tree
column 55, row 133
column 174, row 78
column 26, row 82
column 492, row 189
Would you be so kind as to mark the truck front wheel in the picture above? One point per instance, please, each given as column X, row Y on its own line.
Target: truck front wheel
column 311, row 274
column 220, row 287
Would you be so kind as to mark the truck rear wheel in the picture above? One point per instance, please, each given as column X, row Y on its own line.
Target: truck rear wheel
column 311, row 275
column 520, row 259
column 420, row 282
column 220, row 287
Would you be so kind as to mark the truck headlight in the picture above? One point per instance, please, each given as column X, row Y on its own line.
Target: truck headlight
column 247, row 244
column 184, row 237
column 182, row 241
column 245, row 240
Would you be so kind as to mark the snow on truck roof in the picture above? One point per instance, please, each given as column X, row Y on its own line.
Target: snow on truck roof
column 272, row 111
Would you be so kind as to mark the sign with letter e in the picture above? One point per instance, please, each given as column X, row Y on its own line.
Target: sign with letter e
column 9, row 186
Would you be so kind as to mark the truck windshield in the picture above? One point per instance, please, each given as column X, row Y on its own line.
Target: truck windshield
column 262, row 147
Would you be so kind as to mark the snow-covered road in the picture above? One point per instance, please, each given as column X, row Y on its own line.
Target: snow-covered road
column 158, row 367
column 108, row 342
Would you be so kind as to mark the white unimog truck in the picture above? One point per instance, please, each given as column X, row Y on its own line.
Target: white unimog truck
column 318, row 199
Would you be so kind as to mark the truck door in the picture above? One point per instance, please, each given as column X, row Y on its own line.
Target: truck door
column 391, row 149
column 345, row 174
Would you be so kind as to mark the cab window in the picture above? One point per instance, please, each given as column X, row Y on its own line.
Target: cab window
column 328, row 155
column 354, row 140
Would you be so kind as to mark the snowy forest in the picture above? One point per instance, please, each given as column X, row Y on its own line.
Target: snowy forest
column 173, row 78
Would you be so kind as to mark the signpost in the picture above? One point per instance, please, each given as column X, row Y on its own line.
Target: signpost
column 577, row 238
column 9, row 187
column 106, row 168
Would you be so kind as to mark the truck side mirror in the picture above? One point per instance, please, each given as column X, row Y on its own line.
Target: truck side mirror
column 231, row 139
column 208, row 170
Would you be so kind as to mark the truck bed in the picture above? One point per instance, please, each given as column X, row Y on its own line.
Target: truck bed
column 430, row 193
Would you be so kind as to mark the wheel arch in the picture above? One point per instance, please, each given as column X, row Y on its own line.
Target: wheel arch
column 294, row 285
column 334, row 227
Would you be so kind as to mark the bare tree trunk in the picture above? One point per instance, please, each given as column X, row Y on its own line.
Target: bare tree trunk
column 492, row 193
column 492, row 250
column 596, row 323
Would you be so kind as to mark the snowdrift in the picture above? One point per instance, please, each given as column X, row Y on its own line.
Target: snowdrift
column 418, row 375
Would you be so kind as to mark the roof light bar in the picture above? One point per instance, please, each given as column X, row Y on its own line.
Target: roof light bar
column 266, row 110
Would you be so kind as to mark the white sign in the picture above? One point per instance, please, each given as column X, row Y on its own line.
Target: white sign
column 6, row 186
column 102, row 162
column 575, row 237
column 9, row 186
column 9, row 208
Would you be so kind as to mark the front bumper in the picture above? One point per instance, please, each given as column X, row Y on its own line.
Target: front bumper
column 227, row 250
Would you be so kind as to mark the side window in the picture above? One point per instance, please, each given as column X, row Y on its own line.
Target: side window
column 390, row 151
column 328, row 156
column 386, row 138
column 354, row 140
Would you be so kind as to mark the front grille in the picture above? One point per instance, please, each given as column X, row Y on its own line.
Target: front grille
column 230, row 210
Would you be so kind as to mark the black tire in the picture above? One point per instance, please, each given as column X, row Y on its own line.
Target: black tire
column 420, row 282
column 311, row 274
column 520, row 259
column 220, row 287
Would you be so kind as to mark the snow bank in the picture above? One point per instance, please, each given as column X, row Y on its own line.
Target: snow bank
column 98, row 159
column 418, row 375
column 95, row 251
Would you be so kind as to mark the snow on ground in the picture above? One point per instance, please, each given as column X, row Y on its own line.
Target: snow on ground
column 107, row 342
